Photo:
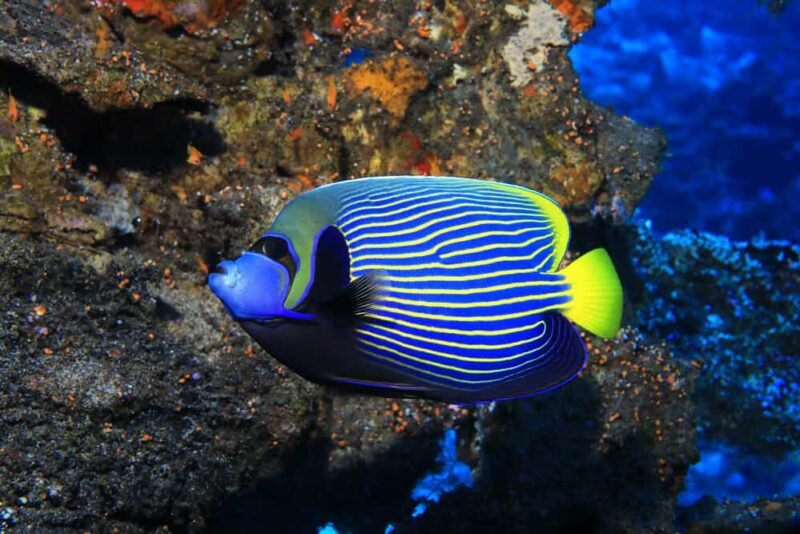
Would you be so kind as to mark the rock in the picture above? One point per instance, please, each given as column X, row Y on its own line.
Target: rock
column 126, row 402
column 763, row 515
column 70, row 46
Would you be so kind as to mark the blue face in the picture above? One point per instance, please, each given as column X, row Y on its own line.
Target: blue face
column 252, row 286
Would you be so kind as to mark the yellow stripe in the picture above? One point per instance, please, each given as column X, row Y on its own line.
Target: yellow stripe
column 478, row 304
column 428, row 224
column 427, row 372
column 457, row 278
column 470, row 290
column 443, row 330
column 375, row 193
column 548, row 259
column 474, row 319
column 460, row 214
column 437, row 233
column 452, row 357
column 445, row 377
column 495, row 246
column 469, row 346
column 444, row 365
column 554, row 213
column 347, row 218
column 378, row 198
column 388, row 189
column 433, row 250
column 452, row 266
column 394, row 184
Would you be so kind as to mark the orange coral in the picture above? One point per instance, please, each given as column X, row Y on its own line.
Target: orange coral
column 579, row 13
column 391, row 82
column 340, row 19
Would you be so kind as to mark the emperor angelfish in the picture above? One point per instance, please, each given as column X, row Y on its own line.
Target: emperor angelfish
column 436, row 287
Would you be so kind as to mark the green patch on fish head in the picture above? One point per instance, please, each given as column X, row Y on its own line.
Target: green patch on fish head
column 301, row 222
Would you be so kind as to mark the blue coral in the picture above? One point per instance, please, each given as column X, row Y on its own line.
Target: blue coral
column 452, row 475
column 684, row 66
column 733, row 306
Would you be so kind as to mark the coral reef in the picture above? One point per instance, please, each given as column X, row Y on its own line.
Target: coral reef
column 76, row 50
column 727, row 308
column 430, row 97
column 142, row 141
column 730, row 305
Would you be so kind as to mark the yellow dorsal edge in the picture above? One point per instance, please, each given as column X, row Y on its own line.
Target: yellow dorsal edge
column 557, row 217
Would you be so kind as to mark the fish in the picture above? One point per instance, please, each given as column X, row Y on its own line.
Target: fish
column 443, row 288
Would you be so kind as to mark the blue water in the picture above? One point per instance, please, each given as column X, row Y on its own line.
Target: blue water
column 722, row 79
column 724, row 472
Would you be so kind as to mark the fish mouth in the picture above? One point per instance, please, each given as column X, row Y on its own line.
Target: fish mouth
column 225, row 276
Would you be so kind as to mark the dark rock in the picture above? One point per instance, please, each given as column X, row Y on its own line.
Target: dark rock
column 112, row 418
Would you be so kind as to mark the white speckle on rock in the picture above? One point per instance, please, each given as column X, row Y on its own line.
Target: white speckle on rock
column 117, row 210
column 544, row 28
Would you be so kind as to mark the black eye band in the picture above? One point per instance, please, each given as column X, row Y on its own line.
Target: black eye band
column 277, row 249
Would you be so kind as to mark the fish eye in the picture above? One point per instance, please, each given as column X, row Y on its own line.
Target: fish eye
column 277, row 249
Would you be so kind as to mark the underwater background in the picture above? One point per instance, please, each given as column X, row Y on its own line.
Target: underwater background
column 723, row 84
column 143, row 141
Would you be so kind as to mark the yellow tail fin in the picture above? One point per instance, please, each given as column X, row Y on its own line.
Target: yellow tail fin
column 596, row 293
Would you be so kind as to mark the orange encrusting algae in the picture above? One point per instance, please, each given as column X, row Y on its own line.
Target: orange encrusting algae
column 579, row 13
column 103, row 34
column 391, row 82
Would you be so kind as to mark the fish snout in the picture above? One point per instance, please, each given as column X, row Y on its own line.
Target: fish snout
column 225, row 277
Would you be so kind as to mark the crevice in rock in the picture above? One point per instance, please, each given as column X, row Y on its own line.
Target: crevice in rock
column 281, row 61
column 150, row 140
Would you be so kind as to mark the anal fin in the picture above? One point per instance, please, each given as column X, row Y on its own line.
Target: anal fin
column 564, row 357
